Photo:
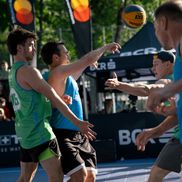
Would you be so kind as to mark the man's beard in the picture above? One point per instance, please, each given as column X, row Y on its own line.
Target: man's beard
column 29, row 58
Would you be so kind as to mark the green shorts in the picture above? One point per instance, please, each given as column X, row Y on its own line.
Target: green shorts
column 46, row 154
column 40, row 152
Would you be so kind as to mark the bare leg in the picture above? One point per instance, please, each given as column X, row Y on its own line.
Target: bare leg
column 28, row 170
column 157, row 174
column 79, row 176
column 91, row 176
column 52, row 166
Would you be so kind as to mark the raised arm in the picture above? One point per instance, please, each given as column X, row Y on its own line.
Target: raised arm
column 75, row 69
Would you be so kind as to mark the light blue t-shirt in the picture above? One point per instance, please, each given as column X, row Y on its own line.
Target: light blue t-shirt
column 57, row 119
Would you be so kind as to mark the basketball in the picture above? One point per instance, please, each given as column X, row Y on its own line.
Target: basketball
column 133, row 16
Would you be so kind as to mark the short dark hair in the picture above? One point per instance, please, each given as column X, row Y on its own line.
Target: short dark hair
column 165, row 56
column 49, row 49
column 18, row 36
column 171, row 9
column 2, row 100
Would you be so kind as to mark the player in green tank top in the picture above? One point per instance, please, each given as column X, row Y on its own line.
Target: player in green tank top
column 30, row 96
column 31, row 109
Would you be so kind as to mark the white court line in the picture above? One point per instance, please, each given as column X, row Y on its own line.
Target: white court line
column 126, row 164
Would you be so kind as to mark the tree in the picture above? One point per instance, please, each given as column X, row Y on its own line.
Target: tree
column 53, row 23
column 106, row 13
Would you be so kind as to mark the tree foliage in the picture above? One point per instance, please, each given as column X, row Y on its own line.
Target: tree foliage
column 53, row 22
column 105, row 14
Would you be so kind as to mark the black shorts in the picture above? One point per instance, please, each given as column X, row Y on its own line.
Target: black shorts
column 76, row 151
column 32, row 155
column 170, row 157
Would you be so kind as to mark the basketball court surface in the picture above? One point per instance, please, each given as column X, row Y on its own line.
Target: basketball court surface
column 119, row 171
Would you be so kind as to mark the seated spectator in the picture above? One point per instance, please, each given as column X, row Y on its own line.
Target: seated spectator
column 2, row 115
column 4, row 70
column 5, row 114
column 3, row 91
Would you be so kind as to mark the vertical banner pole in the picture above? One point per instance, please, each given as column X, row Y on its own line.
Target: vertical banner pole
column 85, row 105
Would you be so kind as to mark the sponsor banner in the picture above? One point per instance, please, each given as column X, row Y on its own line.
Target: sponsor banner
column 123, row 128
column 79, row 12
column 119, row 128
column 127, row 137
column 22, row 13
column 122, row 63
column 143, row 51
column 9, row 145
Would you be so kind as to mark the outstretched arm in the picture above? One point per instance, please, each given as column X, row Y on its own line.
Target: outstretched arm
column 143, row 138
column 130, row 88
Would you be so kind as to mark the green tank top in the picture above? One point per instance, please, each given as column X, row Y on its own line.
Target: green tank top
column 176, row 132
column 32, row 113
